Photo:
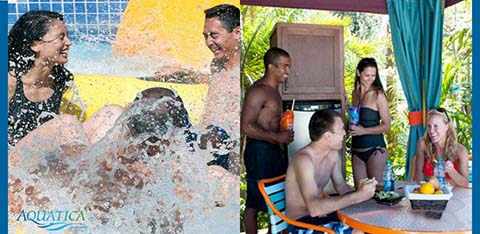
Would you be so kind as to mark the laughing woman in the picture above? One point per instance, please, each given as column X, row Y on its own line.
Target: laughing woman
column 440, row 141
column 38, row 47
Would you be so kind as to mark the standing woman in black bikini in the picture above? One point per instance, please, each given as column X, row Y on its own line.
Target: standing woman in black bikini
column 368, row 144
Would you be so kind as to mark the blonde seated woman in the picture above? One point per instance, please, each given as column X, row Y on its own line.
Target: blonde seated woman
column 440, row 141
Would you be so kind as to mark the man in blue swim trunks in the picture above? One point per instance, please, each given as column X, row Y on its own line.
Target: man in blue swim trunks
column 260, row 122
column 310, row 170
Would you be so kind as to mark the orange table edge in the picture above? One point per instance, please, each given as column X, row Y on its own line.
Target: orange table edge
column 382, row 230
column 376, row 229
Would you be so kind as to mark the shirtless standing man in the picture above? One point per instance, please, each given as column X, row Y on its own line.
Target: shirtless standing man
column 260, row 122
column 309, row 172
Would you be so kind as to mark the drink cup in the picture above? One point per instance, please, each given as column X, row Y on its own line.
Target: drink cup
column 286, row 123
column 354, row 113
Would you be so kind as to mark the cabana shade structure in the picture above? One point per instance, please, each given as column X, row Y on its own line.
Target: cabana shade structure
column 417, row 28
column 371, row 6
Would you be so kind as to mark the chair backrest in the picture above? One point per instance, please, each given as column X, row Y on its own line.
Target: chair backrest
column 273, row 191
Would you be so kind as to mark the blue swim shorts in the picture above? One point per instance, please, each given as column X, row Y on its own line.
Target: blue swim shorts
column 329, row 221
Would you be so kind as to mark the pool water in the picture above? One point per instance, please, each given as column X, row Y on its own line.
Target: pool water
column 95, row 57
column 122, row 187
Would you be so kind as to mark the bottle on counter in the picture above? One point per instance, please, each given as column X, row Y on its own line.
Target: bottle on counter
column 388, row 178
column 439, row 171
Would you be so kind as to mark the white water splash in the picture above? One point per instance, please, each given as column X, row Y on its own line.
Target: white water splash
column 123, row 190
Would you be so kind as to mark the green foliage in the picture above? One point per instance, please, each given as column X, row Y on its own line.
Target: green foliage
column 362, row 25
column 243, row 191
column 457, row 65
column 396, row 138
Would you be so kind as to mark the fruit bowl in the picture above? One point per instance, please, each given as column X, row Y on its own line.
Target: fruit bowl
column 435, row 203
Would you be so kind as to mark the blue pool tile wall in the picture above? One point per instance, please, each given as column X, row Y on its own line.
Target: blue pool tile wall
column 89, row 19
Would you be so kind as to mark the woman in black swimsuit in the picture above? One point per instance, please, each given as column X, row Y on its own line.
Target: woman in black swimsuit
column 368, row 144
column 38, row 47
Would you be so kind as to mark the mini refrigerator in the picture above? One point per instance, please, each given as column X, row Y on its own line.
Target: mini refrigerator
column 303, row 111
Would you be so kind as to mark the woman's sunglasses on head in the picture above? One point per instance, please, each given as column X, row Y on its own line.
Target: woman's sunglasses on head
column 442, row 110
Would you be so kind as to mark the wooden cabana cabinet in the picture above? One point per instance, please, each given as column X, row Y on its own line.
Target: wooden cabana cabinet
column 317, row 60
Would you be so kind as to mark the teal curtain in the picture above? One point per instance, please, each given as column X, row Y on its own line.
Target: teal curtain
column 417, row 27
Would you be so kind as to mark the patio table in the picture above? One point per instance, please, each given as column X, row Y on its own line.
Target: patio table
column 371, row 217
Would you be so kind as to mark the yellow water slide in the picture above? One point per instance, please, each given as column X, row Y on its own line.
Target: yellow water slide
column 92, row 92
column 166, row 28
column 167, row 32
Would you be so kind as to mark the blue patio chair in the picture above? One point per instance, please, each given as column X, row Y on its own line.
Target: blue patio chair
column 273, row 191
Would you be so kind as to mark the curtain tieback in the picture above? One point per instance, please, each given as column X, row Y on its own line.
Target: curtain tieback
column 415, row 118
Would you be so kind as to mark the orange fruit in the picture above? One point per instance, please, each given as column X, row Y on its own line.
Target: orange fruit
column 439, row 191
column 427, row 188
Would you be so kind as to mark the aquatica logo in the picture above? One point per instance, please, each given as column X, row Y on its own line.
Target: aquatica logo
column 54, row 220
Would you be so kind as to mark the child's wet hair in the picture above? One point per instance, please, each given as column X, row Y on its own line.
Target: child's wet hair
column 160, row 110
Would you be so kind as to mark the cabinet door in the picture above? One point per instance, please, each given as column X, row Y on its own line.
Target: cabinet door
column 317, row 60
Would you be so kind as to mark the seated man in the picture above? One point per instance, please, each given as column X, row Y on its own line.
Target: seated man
column 309, row 172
